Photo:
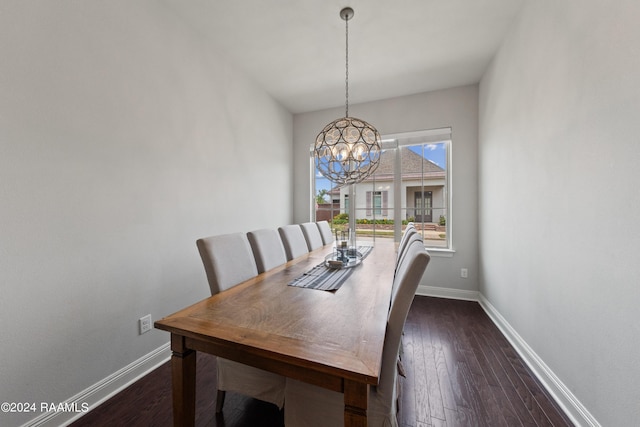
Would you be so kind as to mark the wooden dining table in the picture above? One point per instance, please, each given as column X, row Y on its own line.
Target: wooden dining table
column 331, row 339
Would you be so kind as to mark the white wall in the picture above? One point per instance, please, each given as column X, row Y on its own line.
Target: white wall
column 559, row 134
column 123, row 138
column 456, row 108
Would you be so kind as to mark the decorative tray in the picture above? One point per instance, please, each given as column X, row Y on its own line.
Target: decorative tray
column 350, row 258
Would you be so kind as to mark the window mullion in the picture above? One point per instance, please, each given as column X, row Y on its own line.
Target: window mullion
column 397, row 195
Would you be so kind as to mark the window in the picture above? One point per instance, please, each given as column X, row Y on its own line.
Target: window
column 377, row 203
column 411, row 184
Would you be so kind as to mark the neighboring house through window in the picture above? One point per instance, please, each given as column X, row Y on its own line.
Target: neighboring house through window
column 411, row 184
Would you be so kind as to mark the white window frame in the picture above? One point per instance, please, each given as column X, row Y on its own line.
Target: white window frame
column 401, row 139
column 397, row 140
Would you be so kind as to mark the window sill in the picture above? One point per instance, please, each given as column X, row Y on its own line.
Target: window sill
column 440, row 252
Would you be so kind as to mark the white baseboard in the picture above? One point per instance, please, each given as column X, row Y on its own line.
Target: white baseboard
column 569, row 403
column 433, row 291
column 104, row 389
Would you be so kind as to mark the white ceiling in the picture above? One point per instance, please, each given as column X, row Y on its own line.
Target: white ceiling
column 295, row 49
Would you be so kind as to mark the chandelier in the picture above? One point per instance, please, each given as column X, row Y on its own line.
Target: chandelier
column 348, row 149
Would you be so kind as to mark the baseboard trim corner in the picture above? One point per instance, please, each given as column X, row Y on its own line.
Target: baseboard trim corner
column 103, row 389
column 569, row 403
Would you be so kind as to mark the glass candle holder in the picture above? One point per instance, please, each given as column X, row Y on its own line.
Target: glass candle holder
column 342, row 245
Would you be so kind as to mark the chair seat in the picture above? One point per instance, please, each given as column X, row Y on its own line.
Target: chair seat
column 317, row 406
column 250, row 381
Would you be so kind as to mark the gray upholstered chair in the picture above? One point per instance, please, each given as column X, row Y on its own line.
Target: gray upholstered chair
column 410, row 235
column 312, row 235
column 228, row 261
column 310, row 406
column 325, row 232
column 408, row 232
column 410, row 228
column 293, row 240
column 267, row 248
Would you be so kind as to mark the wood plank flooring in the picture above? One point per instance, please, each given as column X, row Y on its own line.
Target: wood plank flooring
column 460, row 371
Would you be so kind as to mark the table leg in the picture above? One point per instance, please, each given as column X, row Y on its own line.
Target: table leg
column 356, row 400
column 183, row 375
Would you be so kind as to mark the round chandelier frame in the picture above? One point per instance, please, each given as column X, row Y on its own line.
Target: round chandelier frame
column 347, row 150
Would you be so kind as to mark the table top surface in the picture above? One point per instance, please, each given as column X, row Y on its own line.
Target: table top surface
column 339, row 333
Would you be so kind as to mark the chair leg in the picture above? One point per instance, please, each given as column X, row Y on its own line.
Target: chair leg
column 220, row 400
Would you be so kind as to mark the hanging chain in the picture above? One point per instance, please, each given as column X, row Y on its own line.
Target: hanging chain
column 346, row 78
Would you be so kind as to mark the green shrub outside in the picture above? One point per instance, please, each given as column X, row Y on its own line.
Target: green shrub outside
column 343, row 218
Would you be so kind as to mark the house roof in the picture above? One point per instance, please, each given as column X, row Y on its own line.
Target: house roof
column 414, row 166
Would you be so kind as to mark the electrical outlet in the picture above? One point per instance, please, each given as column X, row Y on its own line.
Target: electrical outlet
column 145, row 324
column 464, row 273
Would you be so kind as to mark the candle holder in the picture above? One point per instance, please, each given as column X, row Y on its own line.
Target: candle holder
column 346, row 251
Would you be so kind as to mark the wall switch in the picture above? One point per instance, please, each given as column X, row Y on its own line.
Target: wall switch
column 145, row 324
column 464, row 273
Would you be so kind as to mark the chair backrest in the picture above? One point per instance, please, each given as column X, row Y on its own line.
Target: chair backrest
column 406, row 282
column 228, row 260
column 410, row 234
column 267, row 248
column 293, row 240
column 312, row 235
column 325, row 232
column 408, row 231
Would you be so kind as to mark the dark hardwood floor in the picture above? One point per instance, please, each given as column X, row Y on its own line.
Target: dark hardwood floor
column 460, row 371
